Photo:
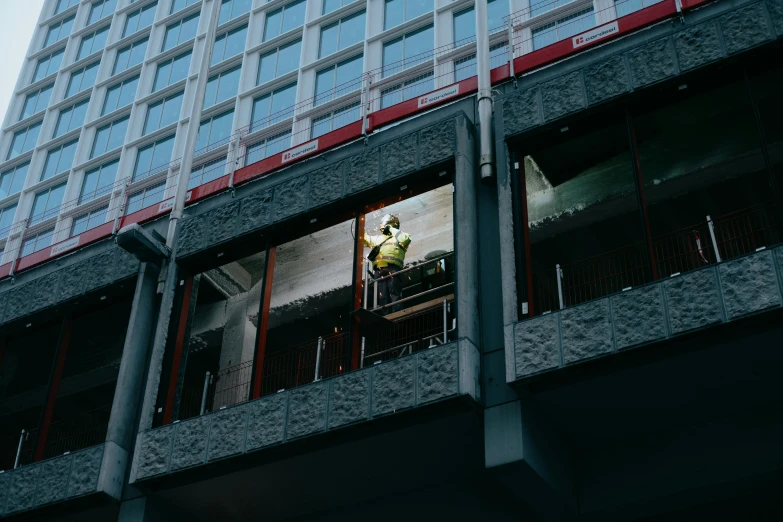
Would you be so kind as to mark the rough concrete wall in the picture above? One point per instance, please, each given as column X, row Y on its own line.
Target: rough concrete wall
column 53, row 480
column 703, row 38
column 388, row 388
column 674, row 306
column 52, row 284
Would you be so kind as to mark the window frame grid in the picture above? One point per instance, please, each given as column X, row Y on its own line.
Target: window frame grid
column 144, row 194
column 162, row 103
column 256, row 145
column 130, row 48
column 339, row 24
column 333, row 115
column 99, row 190
column 141, row 10
column 47, row 212
column 121, row 85
column 89, row 215
column 70, row 109
column 170, row 62
column 59, row 149
column 110, row 126
column 178, row 24
column 48, row 58
column 14, row 172
column 82, row 71
column 37, row 92
column 68, row 19
column 225, row 35
column 38, row 124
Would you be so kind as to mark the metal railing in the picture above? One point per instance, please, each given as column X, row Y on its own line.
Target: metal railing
column 707, row 242
column 227, row 387
column 423, row 280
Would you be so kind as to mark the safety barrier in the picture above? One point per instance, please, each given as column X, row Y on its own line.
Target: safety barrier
column 387, row 95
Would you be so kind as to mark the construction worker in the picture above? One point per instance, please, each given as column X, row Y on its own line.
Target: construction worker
column 388, row 257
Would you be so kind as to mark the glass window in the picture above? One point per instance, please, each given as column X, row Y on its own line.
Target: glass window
column 37, row 241
column 407, row 90
column 109, row 137
column 229, row 44
column 93, row 42
column 466, row 67
column 232, row 8
column 101, row 9
column 207, row 172
column 36, row 101
column 48, row 65
column 396, row 12
column 71, row 118
column 82, row 79
column 12, row 180
column 24, row 140
column 268, row 147
column 181, row 31
column 171, row 71
column 6, row 219
column 214, row 131
column 464, row 27
column 120, row 94
column 153, row 158
column 139, row 19
column 543, row 6
column 88, row 221
column 162, row 113
column 284, row 19
column 178, row 5
column 334, row 120
column 341, row 34
column 62, row 5
column 278, row 62
column 130, row 56
column 408, row 50
column 59, row 30
column 563, row 28
column 146, row 198
column 496, row 10
column 222, row 86
column 98, row 181
column 47, row 203
column 59, row 160
column 339, row 79
column 273, row 107
column 332, row 5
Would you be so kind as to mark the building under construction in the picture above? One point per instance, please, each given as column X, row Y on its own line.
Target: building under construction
column 590, row 320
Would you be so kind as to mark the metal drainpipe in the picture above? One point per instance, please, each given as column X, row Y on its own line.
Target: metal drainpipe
column 487, row 158
column 193, row 124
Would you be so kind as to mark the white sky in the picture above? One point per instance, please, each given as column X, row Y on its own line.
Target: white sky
column 17, row 22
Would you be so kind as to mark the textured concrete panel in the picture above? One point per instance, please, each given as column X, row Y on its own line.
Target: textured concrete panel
column 437, row 143
column 307, row 410
column 692, row 300
column 19, row 301
column 290, row 198
column 71, row 282
column 651, row 63
column 779, row 258
column 99, row 270
column 361, row 171
column 562, row 96
column 536, row 345
column 744, row 28
column 399, row 156
column 221, row 222
column 192, row 231
column 266, row 421
column 227, row 434
column 84, row 471
column 521, row 111
column 21, row 492
column 5, row 480
column 326, row 185
column 392, row 387
column 154, row 452
column 125, row 264
column 697, row 45
column 350, row 398
column 438, row 373
column 606, row 79
column 190, row 442
column 638, row 316
column 256, row 212
column 53, row 480
column 587, row 331
column 46, row 291
column 775, row 8
column 749, row 284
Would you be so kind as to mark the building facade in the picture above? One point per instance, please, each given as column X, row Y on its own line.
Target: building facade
column 592, row 334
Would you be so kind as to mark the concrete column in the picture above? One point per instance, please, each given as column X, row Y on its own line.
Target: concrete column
column 466, row 233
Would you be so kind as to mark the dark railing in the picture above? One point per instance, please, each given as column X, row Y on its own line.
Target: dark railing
column 229, row 386
column 707, row 242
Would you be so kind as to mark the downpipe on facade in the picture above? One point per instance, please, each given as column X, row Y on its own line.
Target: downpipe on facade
column 487, row 156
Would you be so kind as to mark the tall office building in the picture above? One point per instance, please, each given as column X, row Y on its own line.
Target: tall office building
column 585, row 324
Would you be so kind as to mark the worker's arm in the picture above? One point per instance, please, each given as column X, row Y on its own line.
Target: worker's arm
column 402, row 238
column 369, row 240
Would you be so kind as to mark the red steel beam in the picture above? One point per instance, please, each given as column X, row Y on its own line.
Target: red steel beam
column 54, row 385
column 263, row 322
column 358, row 270
column 168, row 410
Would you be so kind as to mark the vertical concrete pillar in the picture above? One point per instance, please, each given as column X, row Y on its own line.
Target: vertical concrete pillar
column 466, row 233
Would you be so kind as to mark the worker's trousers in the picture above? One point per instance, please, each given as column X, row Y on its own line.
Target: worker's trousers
column 389, row 289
